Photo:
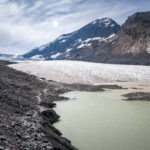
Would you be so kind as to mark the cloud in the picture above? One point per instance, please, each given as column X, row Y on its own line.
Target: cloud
column 25, row 24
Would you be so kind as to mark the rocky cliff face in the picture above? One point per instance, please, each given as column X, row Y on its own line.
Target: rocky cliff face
column 131, row 45
column 138, row 25
column 137, row 30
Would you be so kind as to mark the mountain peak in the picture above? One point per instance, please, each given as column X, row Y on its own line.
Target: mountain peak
column 104, row 22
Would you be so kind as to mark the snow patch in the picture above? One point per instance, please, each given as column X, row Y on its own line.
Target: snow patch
column 37, row 57
column 67, row 55
column 112, row 35
column 94, row 22
column 55, row 55
column 112, row 25
column 114, row 42
column 93, row 39
column 80, row 40
column 68, row 50
column 63, row 41
column 87, row 42
column 107, row 21
column 84, row 45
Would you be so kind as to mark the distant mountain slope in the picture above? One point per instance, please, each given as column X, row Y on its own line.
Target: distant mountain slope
column 69, row 44
column 102, row 41
column 6, row 57
column 11, row 57
column 131, row 45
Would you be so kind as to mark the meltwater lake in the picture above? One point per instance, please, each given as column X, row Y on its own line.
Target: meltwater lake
column 104, row 121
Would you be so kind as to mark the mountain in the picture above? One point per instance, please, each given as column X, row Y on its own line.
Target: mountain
column 131, row 45
column 68, row 45
column 103, row 41
column 6, row 57
column 11, row 57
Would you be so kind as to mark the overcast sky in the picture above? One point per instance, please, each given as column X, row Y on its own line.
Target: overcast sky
column 26, row 24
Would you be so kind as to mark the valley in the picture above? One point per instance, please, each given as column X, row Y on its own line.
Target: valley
column 87, row 89
column 105, row 117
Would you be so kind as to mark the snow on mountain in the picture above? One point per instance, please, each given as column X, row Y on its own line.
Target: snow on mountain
column 88, row 42
column 103, row 22
column 68, row 50
column 55, row 55
column 131, row 45
column 66, row 45
column 84, row 72
column 37, row 57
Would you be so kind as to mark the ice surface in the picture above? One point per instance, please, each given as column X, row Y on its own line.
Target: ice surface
column 84, row 72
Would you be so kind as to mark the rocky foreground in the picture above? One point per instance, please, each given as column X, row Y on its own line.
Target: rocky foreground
column 26, row 111
column 26, row 114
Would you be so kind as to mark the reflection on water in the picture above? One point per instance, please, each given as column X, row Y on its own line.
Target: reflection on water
column 103, row 121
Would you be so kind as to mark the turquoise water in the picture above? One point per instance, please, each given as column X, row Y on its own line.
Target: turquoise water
column 103, row 121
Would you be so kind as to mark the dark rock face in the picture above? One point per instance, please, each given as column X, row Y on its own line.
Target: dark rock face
column 50, row 115
column 68, row 44
column 138, row 25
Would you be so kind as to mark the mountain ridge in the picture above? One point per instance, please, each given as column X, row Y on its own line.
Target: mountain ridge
column 100, row 28
column 131, row 45
column 102, row 41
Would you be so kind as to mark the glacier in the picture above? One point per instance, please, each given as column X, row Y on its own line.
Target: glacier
column 84, row 72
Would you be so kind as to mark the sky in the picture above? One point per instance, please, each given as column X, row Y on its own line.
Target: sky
column 26, row 24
